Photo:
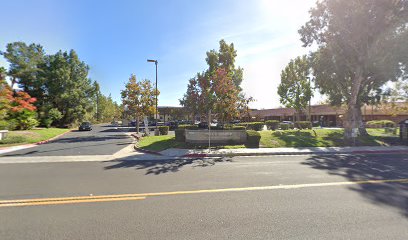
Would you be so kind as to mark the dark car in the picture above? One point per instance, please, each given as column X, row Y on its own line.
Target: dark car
column 172, row 125
column 203, row 125
column 85, row 126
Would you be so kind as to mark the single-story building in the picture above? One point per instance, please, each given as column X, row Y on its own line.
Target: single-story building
column 334, row 116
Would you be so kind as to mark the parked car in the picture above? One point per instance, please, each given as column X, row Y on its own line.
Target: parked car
column 85, row 126
column 235, row 121
column 203, row 125
column 172, row 125
column 288, row 122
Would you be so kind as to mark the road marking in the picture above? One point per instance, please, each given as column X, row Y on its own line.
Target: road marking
column 141, row 196
column 55, row 202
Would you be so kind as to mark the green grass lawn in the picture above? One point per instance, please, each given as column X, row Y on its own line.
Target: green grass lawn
column 160, row 143
column 30, row 136
column 323, row 138
column 289, row 138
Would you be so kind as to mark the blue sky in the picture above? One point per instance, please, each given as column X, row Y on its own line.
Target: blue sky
column 116, row 37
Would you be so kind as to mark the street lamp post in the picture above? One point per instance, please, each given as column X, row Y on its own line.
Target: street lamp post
column 155, row 62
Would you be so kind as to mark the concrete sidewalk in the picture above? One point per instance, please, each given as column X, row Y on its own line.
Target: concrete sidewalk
column 173, row 152
column 4, row 150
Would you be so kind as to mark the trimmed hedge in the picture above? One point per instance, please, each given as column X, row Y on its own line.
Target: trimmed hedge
column 285, row 126
column 164, row 130
column 257, row 126
column 253, row 138
column 272, row 124
column 277, row 133
column 237, row 128
column 380, row 123
column 188, row 126
column 303, row 125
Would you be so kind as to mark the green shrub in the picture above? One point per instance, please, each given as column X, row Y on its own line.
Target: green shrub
column 13, row 139
column 272, row 124
column 3, row 125
column 29, row 123
column 380, row 123
column 54, row 114
column 303, row 125
column 12, row 124
column 234, row 127
column 238, row 128
column 277, row 133
column 164, row 130
column 284, row 126
column 257, row 126
column 24, row 120
column 46, row 122
column 180, row 134
column 253, row 138
column 188, row 126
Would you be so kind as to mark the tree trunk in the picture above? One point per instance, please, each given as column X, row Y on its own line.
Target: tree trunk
column 137, row 124
column 353, row 114
column 361, row 128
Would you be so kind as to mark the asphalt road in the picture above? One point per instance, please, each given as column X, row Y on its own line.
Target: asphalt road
column 274, row 197
column 102, row 140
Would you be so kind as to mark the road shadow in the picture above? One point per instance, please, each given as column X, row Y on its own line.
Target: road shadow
column 118, row 130
column 56, row 150
column 157, row 167
column 90, row 138
column 370, row 167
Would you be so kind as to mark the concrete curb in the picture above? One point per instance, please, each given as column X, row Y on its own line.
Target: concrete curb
column 146, row 151
column 53, row 138
column 195, row 155
column 137, row 138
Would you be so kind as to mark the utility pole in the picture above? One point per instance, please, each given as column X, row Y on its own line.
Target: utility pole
column 156, row 132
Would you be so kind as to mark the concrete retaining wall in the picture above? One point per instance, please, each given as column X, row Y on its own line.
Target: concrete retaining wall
column 217, row 136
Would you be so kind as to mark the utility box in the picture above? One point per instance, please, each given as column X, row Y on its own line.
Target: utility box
column 404, row 131
column 3, row 134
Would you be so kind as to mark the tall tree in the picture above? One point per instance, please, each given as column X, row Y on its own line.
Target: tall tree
column 138, row 98
column 25, row 66
column 361, row 46
column 108, row 109
column 226, row 95
column 218, row 88
column 70, row 90
column 59, row 82
column 225, row 58
column 191, row 98
column 16, row 107
column 98, row 100
column 6, row 96
column 294, row 89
